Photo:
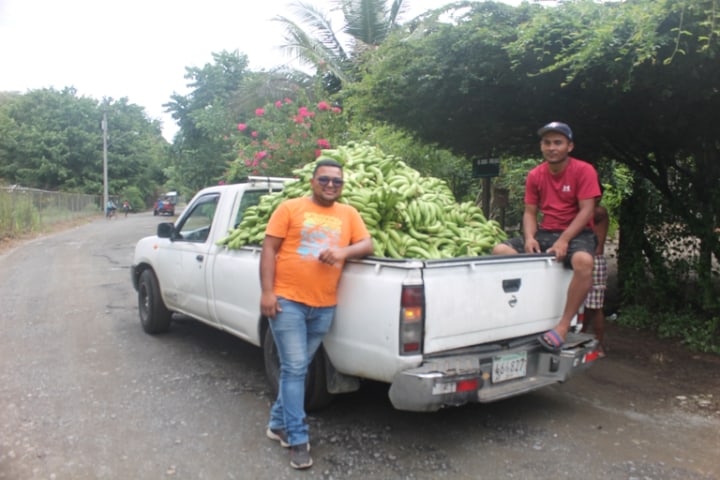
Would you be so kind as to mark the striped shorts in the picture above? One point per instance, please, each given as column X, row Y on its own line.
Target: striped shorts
column 596, row 296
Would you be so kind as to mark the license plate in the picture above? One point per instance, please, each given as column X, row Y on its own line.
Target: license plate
column 507, row 367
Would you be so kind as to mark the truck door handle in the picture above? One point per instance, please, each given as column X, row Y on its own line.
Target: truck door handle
column 199, row 258
column 511, row 285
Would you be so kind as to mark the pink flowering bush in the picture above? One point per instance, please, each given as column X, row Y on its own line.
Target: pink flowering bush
column 283, row 136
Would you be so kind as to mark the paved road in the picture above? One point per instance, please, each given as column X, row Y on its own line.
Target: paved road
column 85, row 394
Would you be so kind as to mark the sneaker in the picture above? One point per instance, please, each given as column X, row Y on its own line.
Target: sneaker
column 300, row 456
column 279, row 435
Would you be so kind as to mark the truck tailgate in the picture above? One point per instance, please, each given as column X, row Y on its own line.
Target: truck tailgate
column 486, row 299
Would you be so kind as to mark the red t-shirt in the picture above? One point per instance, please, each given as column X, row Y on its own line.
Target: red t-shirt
column 557, row 196
column 308, row 228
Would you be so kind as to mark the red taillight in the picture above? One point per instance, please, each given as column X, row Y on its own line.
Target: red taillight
column 412, row 316
column 467, row 385
column 592, row 356
column 412, row 296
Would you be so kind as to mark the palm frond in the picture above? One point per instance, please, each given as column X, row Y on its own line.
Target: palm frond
column 311, row 51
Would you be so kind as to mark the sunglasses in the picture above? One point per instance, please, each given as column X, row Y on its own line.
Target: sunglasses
column 336, row 181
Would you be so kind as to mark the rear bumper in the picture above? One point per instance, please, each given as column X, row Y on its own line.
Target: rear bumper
column 467, row 378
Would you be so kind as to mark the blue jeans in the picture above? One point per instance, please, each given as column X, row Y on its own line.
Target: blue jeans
column 298, row 331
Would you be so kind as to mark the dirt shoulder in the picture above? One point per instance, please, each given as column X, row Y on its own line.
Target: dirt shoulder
column 689, row 379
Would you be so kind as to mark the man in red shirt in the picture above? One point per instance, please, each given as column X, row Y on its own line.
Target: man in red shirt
column 564, row 190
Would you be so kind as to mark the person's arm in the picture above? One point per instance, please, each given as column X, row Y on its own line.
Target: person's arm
column 268, row 300
column 359, row 249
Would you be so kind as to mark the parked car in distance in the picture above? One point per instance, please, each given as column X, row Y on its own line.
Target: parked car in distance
column 163, row 206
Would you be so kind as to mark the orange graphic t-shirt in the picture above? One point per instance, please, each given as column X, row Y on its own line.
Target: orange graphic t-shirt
column 307, row 229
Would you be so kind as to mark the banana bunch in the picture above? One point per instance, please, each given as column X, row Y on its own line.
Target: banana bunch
column 408, row 215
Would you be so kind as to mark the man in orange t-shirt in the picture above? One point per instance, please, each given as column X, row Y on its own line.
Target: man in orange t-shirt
column 307, row 241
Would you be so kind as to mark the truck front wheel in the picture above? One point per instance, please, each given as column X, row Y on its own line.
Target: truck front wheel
column 154, row 315
column 317, row 396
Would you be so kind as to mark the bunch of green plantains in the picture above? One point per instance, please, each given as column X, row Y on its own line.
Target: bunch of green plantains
column 408, row 215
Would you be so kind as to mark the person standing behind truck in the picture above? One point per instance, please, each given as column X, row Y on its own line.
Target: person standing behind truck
column 306, row 243
column 564, row 190
column 595, row 301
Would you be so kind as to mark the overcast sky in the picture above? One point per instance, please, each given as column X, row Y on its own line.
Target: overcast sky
column 137, row 48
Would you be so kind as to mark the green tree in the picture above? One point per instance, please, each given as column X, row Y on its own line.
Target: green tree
column 639, row 81
column 52, row 140
column 451, row 82
column 137, row 152
column 202, row 148
column 314, row 42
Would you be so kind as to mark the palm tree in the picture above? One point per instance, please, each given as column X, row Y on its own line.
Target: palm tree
column 367, row 23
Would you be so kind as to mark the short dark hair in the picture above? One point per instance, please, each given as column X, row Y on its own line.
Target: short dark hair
column 326, row 163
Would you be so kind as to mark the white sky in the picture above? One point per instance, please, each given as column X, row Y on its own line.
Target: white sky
column 137, row 48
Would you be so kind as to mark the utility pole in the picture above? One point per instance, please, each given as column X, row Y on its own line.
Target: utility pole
column 105, row 175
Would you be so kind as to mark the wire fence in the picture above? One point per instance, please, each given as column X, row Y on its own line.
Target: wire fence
column 24, row 210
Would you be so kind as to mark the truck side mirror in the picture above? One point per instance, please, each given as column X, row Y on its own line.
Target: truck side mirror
column 165, row 230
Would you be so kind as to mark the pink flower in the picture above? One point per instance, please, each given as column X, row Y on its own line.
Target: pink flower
column 254, row 134
column 248, row 163
column 303, row 112
column 259, row 156
column 278, row 104
column 221, row 182
column 298, row 119
column 318, row 153
column 336, row 109
column 323, row 106
column 323, row 143
column 242, row 126
column 288, row 101
column 259, row 112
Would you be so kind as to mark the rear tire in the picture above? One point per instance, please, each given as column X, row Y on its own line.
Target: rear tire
column 317, row 396
column 154, row 315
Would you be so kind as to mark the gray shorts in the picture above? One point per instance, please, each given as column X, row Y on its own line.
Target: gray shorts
column 585, row 241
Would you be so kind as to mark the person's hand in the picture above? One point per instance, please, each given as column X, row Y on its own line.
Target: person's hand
column 532, row 246
column 269, row 305
column 331, row 256
column 559, row 248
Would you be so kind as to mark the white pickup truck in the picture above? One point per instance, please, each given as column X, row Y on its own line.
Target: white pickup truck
column 439, row 332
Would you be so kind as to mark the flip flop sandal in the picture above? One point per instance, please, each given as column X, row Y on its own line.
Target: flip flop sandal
column 551, row 341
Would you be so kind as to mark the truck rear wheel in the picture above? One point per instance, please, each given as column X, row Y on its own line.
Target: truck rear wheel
column 317, row 396
column 154, row 315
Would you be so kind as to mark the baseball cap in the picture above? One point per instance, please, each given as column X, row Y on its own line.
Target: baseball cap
column 558, row 127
